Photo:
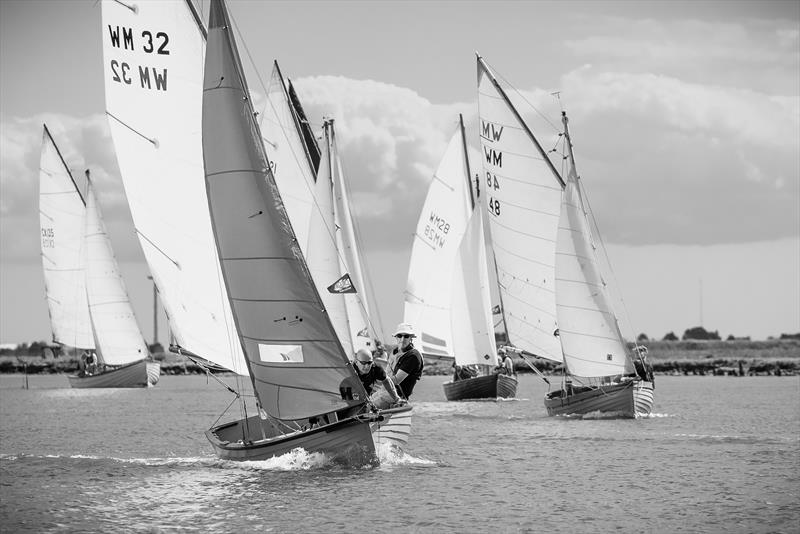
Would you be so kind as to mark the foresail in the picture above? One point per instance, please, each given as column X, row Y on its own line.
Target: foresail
column 323, row 255
column 358, row 316
column 62, row 216
column 290, row 162
column 472, row 326
column 297, row 365
column 153, row 68
column 119, row 340
column 438, row 235
column 589, row 333
column 522, row 195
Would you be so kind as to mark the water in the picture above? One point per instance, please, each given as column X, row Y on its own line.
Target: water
column 719, row 455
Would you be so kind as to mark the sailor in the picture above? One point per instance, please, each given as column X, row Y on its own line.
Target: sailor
column 506, row 365
column 369, row 374
column 407, row 367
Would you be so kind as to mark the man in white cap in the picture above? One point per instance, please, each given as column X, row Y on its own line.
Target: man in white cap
column 408, row 365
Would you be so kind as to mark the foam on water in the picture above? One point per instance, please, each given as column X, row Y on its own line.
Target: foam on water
column 391, row 456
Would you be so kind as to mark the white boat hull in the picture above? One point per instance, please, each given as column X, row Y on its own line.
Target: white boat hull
column 153, row 373
column 628, row 399
column 395, row 428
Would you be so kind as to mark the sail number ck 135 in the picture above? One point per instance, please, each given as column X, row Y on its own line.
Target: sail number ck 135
column 491, row 133
column 149, row 42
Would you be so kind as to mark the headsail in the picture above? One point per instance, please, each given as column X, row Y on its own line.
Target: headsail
column 119, row 339
column 358, row 316
column 441, row 225
column 62, row 216
column 153, row 67
column 590, row 337
column 523, row 198
column 297, row 365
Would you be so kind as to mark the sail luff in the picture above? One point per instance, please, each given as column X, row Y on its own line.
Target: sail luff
column 468, row 172
column 297, row 365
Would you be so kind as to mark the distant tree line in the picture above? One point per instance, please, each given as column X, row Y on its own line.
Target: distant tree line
column 700, row 333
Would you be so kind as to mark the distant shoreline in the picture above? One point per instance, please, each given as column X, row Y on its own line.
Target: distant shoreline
column 720, row 358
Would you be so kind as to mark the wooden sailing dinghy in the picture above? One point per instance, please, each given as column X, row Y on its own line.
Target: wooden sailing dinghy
column 308, row 393
column 447, row 292
column 89, row 305
column 555, row 300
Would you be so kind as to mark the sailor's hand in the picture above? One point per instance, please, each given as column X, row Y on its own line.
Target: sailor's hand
column 400, row 402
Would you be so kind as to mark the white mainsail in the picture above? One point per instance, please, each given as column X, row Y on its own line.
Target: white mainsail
column 523, row 199
column 590, row 336
column 62, row 215
column 441, row 226
column 119, row 339
column 358, row 316
column 153, row 67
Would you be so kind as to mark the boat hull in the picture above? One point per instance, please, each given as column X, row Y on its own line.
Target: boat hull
column 629, row 399
column 394, row 429
column 348, row 441
column 481, row 387
column 133, row 375
column 153, row 373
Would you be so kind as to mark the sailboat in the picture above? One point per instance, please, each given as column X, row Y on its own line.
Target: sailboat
column 307, row 392
column 555, row 300
column 88, row 303
column 447, row 292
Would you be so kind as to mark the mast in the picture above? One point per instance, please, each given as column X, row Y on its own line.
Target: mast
column 466, row 162
column 513, row 109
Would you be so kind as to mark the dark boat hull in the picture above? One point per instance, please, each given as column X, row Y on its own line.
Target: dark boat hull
column 628, row 399
column 348, row 441
column 481, row 387
column 133, row 375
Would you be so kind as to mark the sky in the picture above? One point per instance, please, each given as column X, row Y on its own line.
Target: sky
column 685, row 118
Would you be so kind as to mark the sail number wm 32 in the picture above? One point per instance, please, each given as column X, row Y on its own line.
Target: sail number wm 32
column 149, row 43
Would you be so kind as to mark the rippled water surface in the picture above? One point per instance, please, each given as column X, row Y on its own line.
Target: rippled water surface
column 718, row 455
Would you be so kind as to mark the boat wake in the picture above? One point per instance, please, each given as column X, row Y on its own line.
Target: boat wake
column 391, row 456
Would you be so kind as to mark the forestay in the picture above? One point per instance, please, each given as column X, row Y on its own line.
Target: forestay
column 440, row 229
column 523, row 199
column 119, row 340
column 297, row 365
column 62, row 222
column 153, row 70
column 590, row 336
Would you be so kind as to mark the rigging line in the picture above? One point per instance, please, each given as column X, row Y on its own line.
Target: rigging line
column 153, row 141
column 178, row 265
